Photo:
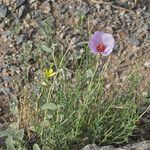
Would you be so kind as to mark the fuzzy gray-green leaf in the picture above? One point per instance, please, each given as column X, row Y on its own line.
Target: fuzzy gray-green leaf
column 49, row 106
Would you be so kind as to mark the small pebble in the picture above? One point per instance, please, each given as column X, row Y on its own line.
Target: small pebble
column 20, row 39
column 147, row 64
column 5, row 90
column 6, row 33
column 21, row 11
column 20, row 2
column 135, row 41
column 7, row 79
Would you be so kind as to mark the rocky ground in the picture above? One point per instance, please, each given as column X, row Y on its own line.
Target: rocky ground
column 145, row 145
column 73, row 22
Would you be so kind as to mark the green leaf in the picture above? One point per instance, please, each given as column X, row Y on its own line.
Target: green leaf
column 8, row 132
column 49, row 106
column 45, row 48
column 10, row 143
column 20, row 148
column 14, row 108
column 14, row 125
column 89, row 73
column 36, row 147
column 32, row 128
column 20, row 134
column 4, row 133
column 45, row 123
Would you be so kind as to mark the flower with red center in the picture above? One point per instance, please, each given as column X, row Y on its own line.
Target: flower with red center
column 102, row 43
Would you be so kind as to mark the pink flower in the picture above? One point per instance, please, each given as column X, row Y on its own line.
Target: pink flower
column 102, row 43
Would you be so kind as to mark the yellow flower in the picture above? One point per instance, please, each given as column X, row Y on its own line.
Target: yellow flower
column 49, row 73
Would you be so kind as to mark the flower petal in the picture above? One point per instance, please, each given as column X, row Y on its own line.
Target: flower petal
column 97, row 37
column 95, row 40
column 49, row 73
column 108, row 40
column 52, row 74
column 104, row 38
column 107, row 51
column 92, row 47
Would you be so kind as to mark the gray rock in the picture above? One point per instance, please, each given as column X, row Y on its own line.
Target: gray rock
column 32, row 1
column 5, row 90
column 134, row 41
column 144, row 145
column 2, row 25
column 6, row 21
column 91, row 147
column 6, row 33
column 35, row 14
column 13, row 68
column 20, row 39
column 20, row 2
column 7, row 79
column 95, row 147
column 63, row 9
column 21, row 11
column 16, row 19
column 1, row 80
column 106, row 148
column 3, row 11
column 147, row 64
column 147, row 15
